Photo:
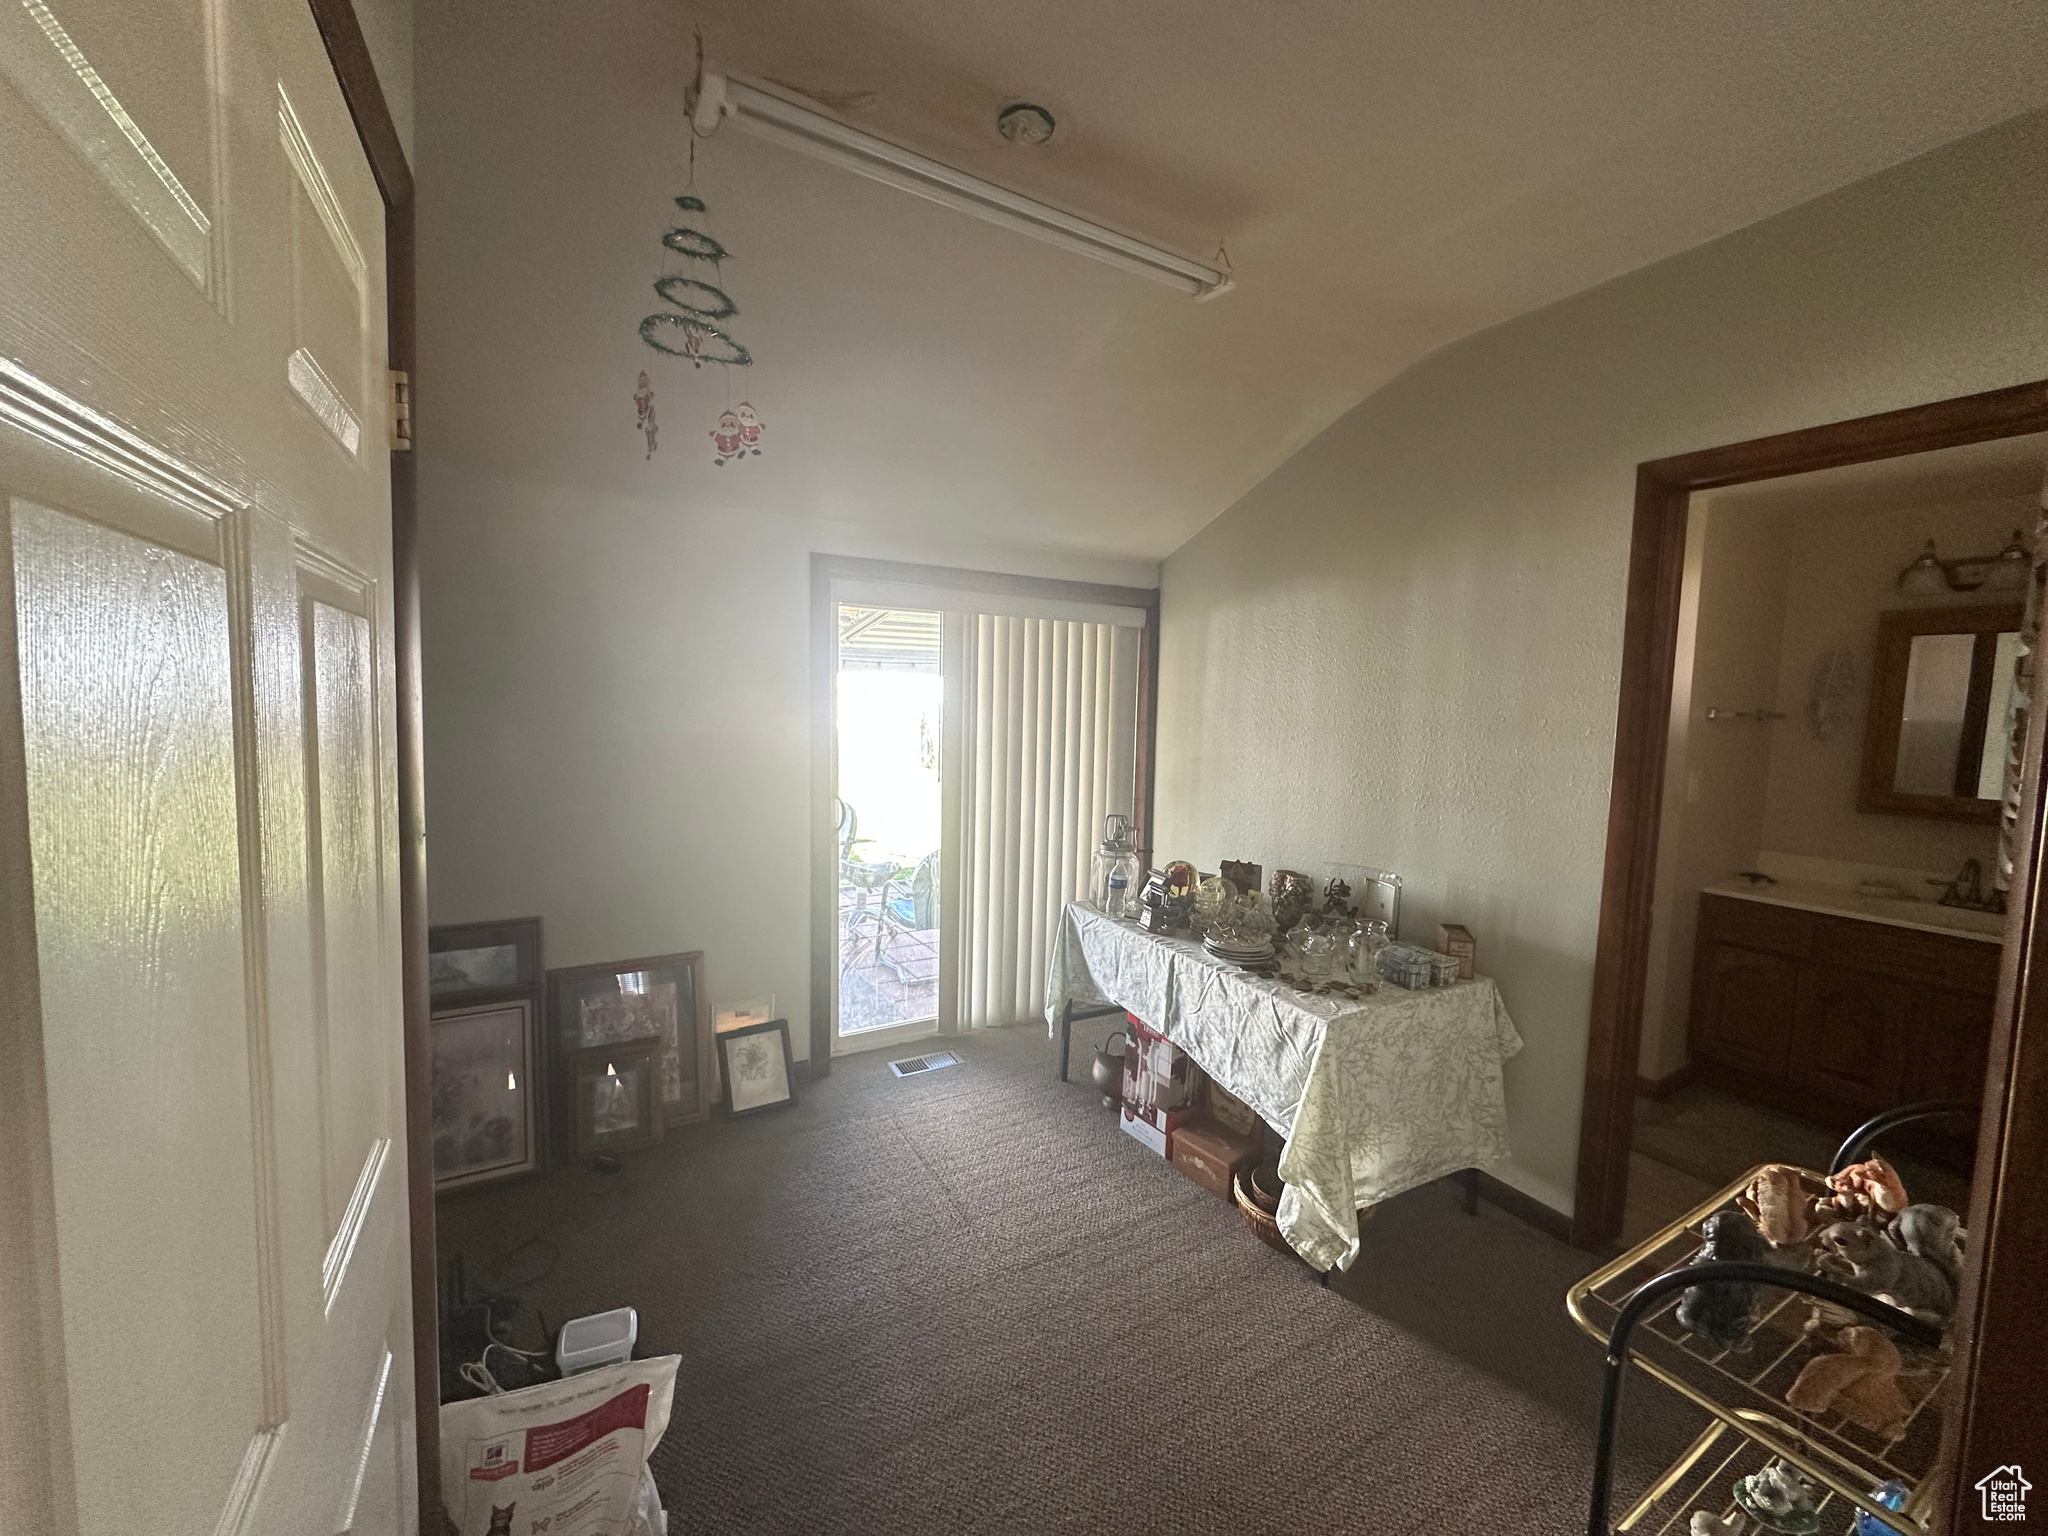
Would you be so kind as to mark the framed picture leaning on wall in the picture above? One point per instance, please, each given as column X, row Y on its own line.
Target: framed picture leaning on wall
column 485, row 1092
column 759, row 1073
column 470, row 962
column 614, row 1101
column 661, row 996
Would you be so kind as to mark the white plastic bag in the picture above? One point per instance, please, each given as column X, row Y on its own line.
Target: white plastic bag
column 566, row 1457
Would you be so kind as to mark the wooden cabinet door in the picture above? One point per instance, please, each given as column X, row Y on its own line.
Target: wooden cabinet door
column 1848, row 1036
column 1948, row 1035
column 1742, row 1006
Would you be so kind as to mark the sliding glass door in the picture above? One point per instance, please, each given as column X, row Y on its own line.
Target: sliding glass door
column 973, row 742
column 889, row 712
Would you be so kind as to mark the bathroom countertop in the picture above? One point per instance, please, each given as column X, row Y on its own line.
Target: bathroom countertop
column 1845, row 901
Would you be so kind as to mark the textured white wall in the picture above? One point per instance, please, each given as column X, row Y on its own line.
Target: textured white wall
column 1403, row 647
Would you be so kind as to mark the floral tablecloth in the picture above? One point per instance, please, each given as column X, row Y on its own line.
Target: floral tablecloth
column 1373, row 1097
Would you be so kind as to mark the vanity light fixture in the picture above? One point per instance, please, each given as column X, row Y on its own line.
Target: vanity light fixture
column 718, row 96
column 1931, row 576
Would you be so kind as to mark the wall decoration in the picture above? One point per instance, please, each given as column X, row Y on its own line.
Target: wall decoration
column 661, row 996
column 737, row 434
column 479, row 962
column 613, row 1100
column 643, row 410
column 484, row 1092
column 689, row 328
column 758, row 1066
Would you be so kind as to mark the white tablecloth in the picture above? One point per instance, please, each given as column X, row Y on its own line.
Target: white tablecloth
column 1374, row 1097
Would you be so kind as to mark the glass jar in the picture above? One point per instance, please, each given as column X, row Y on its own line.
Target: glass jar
column 1116, row 878
column 1320, row 954
column 1362, row 950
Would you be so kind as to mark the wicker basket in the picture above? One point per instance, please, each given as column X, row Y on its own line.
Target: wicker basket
column 1264, row 1227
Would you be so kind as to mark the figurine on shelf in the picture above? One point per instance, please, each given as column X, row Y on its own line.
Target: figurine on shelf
column 1719, row 1310
column 1863, row 1189
column 1780, row 1206
column 1934, row 1233
column 1860, row 1255
column 1782, row 1498
column 1861, row 1382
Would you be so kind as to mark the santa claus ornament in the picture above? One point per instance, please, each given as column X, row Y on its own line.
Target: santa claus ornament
column 737, row 435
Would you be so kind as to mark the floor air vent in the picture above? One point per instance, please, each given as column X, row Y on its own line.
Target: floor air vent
column 910, row 1066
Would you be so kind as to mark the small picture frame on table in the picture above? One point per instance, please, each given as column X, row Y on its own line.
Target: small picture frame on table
column 484, row 1125
column 614, row 1094
column 759, row 1070
column 658, row 995
column 469, row 962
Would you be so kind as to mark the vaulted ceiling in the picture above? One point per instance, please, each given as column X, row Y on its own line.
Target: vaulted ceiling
column 1387, row 178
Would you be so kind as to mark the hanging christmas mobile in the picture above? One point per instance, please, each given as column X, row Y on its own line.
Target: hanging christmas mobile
column 692, row 327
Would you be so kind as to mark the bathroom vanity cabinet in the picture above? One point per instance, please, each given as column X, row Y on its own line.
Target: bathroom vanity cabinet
column 1833, row 1018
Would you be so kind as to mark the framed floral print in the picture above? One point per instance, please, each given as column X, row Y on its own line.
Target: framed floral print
column 485, row 1125
column 759, row 1073
column 659, row 996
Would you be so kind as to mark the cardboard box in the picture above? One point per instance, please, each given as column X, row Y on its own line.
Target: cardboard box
column 1455, row 940
column 1161, row 1083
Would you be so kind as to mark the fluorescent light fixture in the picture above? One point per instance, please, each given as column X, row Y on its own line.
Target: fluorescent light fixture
column 784, row 122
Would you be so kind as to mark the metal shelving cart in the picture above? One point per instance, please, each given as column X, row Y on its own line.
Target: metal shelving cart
column 1630, row 1306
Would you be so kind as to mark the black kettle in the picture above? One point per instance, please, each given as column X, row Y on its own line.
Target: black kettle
column 1108, row 1071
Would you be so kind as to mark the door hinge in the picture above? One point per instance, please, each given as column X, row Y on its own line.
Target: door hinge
column 401, row 411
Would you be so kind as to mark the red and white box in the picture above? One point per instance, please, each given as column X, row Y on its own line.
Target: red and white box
column 1161, row 1083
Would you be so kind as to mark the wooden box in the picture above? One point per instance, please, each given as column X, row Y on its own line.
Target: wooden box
column 1209, row 1154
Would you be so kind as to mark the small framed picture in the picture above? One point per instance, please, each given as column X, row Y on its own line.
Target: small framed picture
column 759, row 1072
column 470, row 962
column 614, row 1097
column 484, row 1093
column 662, row 996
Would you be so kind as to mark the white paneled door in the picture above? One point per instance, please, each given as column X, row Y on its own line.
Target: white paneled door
column 204, row 1311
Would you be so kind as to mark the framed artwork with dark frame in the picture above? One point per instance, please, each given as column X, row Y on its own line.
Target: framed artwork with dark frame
column 473, row 962
column 759, row 1071
column 614, row 1096
column 486, row 1089
column 661, row 996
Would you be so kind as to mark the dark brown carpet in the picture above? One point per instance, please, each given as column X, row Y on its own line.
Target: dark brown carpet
column 966, row 1302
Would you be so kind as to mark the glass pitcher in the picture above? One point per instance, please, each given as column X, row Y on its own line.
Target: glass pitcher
column 1362, row 949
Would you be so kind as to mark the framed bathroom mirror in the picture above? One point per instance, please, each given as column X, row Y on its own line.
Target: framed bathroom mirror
column 1934, row 743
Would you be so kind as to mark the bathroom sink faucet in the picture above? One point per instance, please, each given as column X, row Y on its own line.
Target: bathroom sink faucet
column 1967, row 890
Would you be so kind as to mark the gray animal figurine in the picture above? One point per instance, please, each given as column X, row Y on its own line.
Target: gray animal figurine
column 1868, row 1261
column 1934, row 1233
column 1719, row 1310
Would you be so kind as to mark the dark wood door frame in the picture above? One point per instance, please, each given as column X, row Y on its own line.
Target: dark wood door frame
column 357, row 76
column 2002, row 1346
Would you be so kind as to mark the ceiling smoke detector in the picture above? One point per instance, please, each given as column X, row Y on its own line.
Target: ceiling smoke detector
column 1024, row 123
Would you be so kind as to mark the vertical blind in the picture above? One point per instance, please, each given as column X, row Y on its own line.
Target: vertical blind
column 1051, row 705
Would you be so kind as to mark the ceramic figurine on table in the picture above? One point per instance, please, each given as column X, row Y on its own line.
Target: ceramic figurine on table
column 1860, row 1255
column 1294, row 896
column 1719, row 1310
column 1782, row 1498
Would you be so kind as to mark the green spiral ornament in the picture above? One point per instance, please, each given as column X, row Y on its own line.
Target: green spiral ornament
column 689, row 327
